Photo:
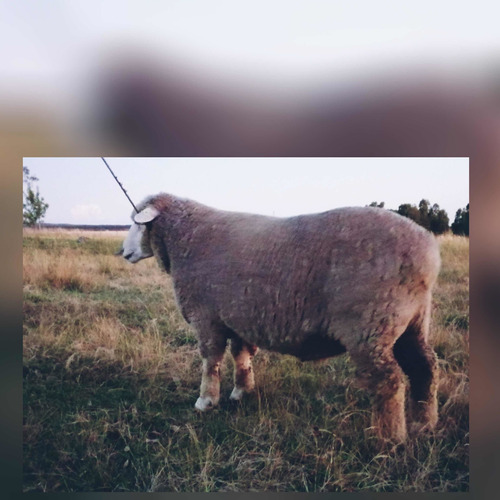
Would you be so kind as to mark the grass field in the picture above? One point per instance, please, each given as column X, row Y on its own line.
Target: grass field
column 111, row 374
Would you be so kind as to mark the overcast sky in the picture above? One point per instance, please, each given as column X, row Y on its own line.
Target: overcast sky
column 82, row 190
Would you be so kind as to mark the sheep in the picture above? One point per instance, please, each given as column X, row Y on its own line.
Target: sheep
column 356, row 280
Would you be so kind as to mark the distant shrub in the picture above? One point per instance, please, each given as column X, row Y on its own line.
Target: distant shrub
column 432, row 217
column 460, row 225
column 34, row 206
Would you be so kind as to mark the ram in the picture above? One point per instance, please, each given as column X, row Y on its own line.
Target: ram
column 356, row 280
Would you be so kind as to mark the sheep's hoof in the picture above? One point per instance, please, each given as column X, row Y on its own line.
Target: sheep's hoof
column 237, row 394
column 205, row 403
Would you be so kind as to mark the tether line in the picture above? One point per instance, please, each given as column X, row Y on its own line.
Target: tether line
column 120, row 184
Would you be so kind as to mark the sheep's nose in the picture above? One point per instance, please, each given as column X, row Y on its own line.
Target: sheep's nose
column 128, row 255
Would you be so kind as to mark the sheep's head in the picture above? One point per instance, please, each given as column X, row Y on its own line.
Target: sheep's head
column 137, row 245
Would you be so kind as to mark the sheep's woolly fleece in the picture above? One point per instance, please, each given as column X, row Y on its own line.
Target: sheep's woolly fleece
column 350, row 279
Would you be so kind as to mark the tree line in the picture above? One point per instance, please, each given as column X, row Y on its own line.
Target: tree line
column 432, row 217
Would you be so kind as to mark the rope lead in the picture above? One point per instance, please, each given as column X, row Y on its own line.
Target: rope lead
column 119, row 183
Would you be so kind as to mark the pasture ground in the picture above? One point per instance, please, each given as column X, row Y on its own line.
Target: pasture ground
column 111, row 372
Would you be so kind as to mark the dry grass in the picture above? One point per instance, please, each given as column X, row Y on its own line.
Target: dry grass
column 64, row 234
column 111, row 373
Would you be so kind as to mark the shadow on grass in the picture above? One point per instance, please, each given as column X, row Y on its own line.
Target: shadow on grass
column 95, row 426
column 85, row 428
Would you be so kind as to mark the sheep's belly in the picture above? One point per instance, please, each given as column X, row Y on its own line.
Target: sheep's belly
column 314, row 347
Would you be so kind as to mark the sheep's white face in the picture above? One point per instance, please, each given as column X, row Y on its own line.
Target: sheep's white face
column 136, row 245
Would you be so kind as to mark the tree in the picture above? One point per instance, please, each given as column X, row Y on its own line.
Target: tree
column 439, row 221
column 377, row 205
column 424, row 212
column 432, row 218
column 460, row 225
column 34, row 206
column 410, row 211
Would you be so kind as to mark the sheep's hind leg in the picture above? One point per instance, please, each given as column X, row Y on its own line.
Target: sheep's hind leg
column 418, row 360
column 243, row 354
column 212, row 353
column 379, row 372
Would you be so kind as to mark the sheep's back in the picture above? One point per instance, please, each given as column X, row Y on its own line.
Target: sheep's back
column 275, row 281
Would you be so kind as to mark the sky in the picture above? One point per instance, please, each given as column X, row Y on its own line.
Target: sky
column 83, row 191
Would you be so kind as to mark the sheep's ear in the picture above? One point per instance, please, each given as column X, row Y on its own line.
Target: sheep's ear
column 146, row 215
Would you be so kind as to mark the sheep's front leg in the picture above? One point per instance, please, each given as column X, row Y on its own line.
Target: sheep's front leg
column 212, row 352
column 243, row 354
column 210, row 384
